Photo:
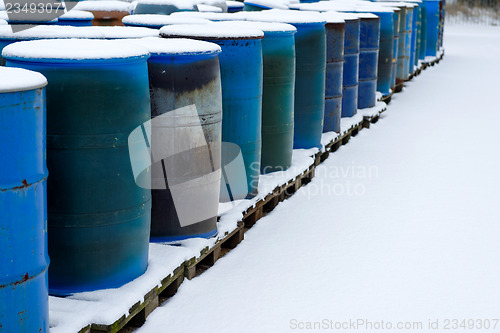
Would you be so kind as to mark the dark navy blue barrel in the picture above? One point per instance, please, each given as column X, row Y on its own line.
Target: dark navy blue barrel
column 76, row 18
column 278, row 49
column 310, row 48
column 186, row 124
column 351, row 65
column 368, row 59
column 44, row 32
column 156, row 21
column 23, row 204
column 432, row 26
column 241, row 79
column 98, row 216
column 335, row 31
column 386, row 49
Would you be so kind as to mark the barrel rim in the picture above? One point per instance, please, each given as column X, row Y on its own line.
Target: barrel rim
column 40, row 82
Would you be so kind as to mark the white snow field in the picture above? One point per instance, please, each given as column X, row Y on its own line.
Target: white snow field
column 402, row 225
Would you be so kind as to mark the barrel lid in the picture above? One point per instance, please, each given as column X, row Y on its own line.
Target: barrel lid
column 76, row 14
column 3, row 22
column 73, row 51
column 155, row 20
column 397, row 4
column 19, row 79
column 286, row 16
column 104, row 6
column 268, row 3
column 210, row 16
column 177, row 46
column 208, row 8
column 321, row 6
column 267, row 27
column 333, row 17
column 235, row 4
column 364, row 15
column 179, row 4
column 211, row 31
column 117, row 32
column 374, row 9
column 49, row 32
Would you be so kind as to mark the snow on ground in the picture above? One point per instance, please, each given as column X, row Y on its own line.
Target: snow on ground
column 400, row 225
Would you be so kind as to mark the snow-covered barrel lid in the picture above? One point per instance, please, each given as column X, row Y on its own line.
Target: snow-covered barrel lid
column 366, row 16
column 269, row 4
column 50, row 32
column 202, row 8
column 210, row 16
column 76, row 51
column 179, row 4
column 117, row 32
column 158, row 20
column 397, row 4
column 374, row 9
column 337, row 17
column 174, row 47
column 235, row 4
column 214, row 31
column 3, row 22
column 104, row 6
column 321, row 6
column 286, row 16
column 76, row 14
column 19, row 79
column 269, row 28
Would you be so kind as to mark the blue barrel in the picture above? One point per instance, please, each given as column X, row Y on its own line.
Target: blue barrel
column 310, row 76
column 397, row 13
column 414, row 37
column 186, row 123
column 386, row 48
column 234, row 6
column 408, row 39
column 163, row 7
column 99, row 217
column 368, row 59
column 241, row 79
column 44, row 32
column 155, row 21
column 257, row 5
column 23, row 205
column 335, row 30
column 423, row 33
column 432, row 26
column 76, row 18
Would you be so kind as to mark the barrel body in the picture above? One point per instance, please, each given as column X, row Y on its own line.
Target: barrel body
column 368, row 62
column 414, row 37
column 241, row 80
column 99, row 218
column 277, row 101
column 419, row 34
column 234, row 7
column 400, row 73
column 191, row 142
column 386, row 52
column 334, row 69
column 432, row 27
column 23, row 213
column 310, row 46
column 250, row 7
column 408, row 42
column 351, row 68
column 75, row 22
column 395, row 49
column 442, row 6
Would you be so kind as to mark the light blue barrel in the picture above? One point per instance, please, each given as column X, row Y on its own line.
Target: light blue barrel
column 386, row 47
column 310, row 48
column 335, row 31
column 432, row 27
column 76, row 18
column 23, row 205
column 241, row 80
column 369, row 42
column 44, row 32
column 186, row 119
column 98, row 215
column 156, row 21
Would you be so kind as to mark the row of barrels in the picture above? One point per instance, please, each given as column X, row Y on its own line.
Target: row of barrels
column 129, row 140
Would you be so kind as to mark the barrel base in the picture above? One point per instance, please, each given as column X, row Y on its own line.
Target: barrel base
column 176, row 239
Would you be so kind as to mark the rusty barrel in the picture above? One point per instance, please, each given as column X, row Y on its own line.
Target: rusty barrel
column 186, row 125
column 98, row 216
column 23, row 211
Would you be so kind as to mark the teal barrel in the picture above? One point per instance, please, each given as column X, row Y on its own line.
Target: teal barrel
column 278, row 49
column 432, row 27
column 99, row 218
column 44, row 32
column 310, row 76
column 335, row 30
column 155, row 21
column 369, row 42
column 23, row 204
column 186, row 124
column 386, row 47
column 241, row 80
column 76, row 18
column 257, row 5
